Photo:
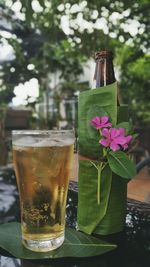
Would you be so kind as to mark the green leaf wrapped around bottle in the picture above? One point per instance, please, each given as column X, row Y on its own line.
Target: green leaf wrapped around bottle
column 104, row 165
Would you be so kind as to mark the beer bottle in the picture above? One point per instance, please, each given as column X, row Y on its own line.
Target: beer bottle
column 104, row 71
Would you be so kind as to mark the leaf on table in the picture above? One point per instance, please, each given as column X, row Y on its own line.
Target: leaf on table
column 76, row 244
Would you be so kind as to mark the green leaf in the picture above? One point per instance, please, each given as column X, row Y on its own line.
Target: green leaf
column 97, row 102
column 76, row 244
column 121, row 165
column 90, row 216
column 135, row 135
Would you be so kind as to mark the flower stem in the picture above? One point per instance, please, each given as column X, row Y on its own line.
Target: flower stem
column 100, row 167
column 100, row 132
column 99, row 170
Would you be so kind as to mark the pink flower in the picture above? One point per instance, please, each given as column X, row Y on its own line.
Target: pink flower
column 115, row 138
column 128, row 140
column 100, row 122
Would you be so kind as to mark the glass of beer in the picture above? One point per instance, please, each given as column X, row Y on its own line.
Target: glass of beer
column 42, row 161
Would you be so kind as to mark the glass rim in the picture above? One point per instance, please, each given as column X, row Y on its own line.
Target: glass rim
column 43, row 132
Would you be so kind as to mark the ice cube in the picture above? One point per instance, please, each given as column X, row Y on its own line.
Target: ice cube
column 29, row 141
column 52, row 142
column 24, row 141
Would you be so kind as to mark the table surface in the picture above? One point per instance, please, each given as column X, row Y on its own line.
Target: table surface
column 133, row 244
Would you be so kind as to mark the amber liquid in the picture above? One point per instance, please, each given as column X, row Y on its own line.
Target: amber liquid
column 42, row 178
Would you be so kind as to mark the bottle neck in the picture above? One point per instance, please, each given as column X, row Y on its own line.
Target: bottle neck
column 104, row 71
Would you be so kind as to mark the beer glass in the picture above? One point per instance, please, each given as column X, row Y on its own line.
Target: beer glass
column 42, row 161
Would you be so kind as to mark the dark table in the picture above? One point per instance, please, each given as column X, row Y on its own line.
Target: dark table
column 133, row 244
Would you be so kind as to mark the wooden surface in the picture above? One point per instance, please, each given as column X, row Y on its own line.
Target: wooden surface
column 139, row 187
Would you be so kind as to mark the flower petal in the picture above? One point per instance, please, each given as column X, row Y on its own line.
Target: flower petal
column 106, row 133
column 107, row 125
column 114, row 146
column 104, row 142
column 125, row 146
column 122, row 131
column 114, row 132
column 128, row 139
column 96, row 122
column 104, row 119
column 121, row 140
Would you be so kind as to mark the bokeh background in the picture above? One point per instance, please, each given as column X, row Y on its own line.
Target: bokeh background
column 47, row 57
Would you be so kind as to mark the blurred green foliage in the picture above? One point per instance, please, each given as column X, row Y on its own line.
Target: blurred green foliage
column 38, row 39
column 135, row 84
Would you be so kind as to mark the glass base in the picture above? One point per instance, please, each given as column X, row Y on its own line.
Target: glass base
column 44, row 244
